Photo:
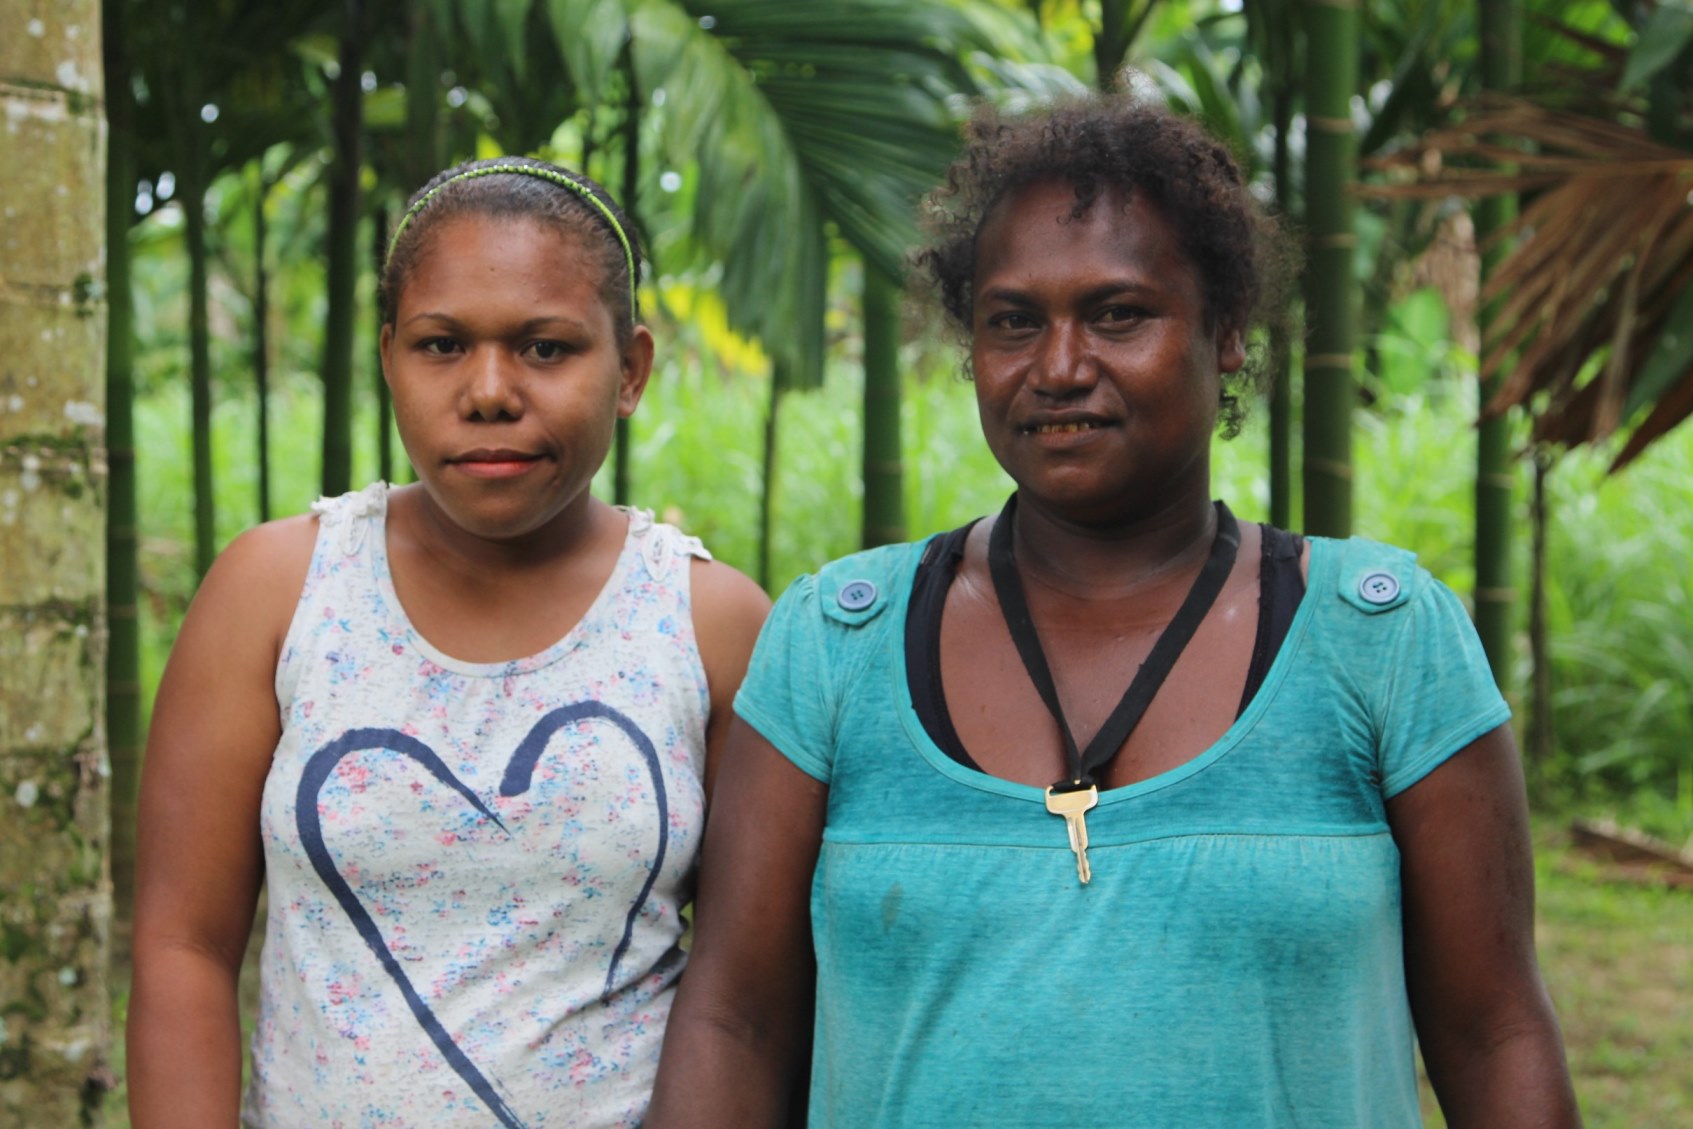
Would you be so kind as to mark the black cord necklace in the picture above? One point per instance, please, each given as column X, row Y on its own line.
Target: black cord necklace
column 1076, row 795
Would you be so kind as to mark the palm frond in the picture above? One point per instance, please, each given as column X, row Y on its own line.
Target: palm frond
column 1596, row 291
column 793, row 114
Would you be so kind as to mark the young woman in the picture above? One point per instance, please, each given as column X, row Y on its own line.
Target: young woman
column 465, row 729
column 1112, row 810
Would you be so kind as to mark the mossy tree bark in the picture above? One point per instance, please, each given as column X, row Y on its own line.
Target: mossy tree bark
column 884, row 493
column 1501, row 69
column 55, row 897
column 1331, row 154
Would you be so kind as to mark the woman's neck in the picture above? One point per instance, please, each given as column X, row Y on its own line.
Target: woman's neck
column 1104, row 562
column 461, row 552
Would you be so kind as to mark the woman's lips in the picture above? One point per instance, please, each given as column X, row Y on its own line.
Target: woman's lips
column 1063, row 433
column 495, row 464
column 1065, row 428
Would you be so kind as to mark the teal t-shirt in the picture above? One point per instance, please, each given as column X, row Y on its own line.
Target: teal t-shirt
column 1236, row 960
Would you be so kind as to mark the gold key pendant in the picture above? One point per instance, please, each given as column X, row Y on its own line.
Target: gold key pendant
column 1074, row 806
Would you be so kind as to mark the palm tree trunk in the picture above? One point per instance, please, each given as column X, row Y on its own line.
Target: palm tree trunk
column 1280, row 93
column 342, row 272
column 261, row 339
column 1331, row 160
column 55, row 901
column 631, row 191
column 384, row 409
column 1541, row 738
column 766, row 499
column 191, row 193
column 123, row 642
column 1120, row 22
column 423, row 144
column 1501, row 69
column 884, row 494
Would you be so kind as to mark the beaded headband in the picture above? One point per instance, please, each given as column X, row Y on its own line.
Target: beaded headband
column 551, row 175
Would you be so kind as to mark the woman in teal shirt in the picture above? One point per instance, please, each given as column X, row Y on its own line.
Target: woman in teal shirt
column 1112, row 810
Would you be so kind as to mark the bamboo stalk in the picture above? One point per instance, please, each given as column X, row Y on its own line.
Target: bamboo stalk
column 1331, row 160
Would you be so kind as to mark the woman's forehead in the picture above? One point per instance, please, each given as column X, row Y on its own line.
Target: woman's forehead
column 1045, row 224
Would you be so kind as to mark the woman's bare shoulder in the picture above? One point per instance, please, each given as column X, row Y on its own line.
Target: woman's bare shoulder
column 256, row 581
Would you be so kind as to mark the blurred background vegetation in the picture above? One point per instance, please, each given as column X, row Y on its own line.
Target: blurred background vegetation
column 772, row 153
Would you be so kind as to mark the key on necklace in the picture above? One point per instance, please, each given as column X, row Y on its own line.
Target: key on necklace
column 1074, row 806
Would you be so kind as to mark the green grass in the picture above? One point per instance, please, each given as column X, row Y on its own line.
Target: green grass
column 1618, row 960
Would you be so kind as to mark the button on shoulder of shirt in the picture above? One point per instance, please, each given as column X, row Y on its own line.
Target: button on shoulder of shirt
column 856, row 595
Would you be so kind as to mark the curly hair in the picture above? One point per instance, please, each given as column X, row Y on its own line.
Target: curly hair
column 1104, row 142
column 522, row 187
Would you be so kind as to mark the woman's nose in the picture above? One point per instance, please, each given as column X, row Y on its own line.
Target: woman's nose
column 492, row 390
column 1065, row 363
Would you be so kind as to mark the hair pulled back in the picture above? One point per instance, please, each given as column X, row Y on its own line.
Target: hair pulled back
column 522, row 188
column 1104, row 142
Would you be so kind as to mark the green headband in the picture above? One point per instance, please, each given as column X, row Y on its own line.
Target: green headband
column 541, row 172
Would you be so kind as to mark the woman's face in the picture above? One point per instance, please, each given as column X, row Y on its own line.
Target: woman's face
column 1096, row 372
column 506, row 375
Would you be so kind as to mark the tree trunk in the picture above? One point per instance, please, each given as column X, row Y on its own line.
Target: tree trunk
column 191, row 195
column 1120, row 22
column 123, row 666
column 631, row 192
column 423, row 141
column 1280, row 94
column 55, row 894
column 766, row 499
column 384, row 408
column 261, row 339
column 884, row 494
column 1541, row 738
column 1501, row 69
column 1331, row 159
column 343, row 251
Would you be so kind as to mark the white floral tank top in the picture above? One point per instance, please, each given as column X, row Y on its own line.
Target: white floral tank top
column 475, row 869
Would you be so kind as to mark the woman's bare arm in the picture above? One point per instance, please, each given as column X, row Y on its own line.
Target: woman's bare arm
column 215, row 726
column 728, row 611
column 1489, row 1036
column 738, row 1044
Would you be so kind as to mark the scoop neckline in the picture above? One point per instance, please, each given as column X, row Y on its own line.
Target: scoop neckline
column 572, row 639
column 1317, row 580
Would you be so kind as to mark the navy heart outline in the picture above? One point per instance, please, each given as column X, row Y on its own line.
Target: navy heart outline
column 520, row 771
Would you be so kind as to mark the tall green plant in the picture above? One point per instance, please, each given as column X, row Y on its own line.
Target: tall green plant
column 1331, row 31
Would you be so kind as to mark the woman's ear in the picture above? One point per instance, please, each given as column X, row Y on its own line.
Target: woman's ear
column 637, row 364
column 1231, row 350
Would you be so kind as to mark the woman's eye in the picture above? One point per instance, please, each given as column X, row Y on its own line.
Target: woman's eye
column 438, row 346
column 1012, row 320
column 548, row 350
column 1121, row 314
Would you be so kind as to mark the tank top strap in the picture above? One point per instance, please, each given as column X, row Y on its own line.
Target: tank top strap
column 660, row 545
column 346, row 522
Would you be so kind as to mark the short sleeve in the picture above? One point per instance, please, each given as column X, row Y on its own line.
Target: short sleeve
column 785, row 694
column 1441, row 690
